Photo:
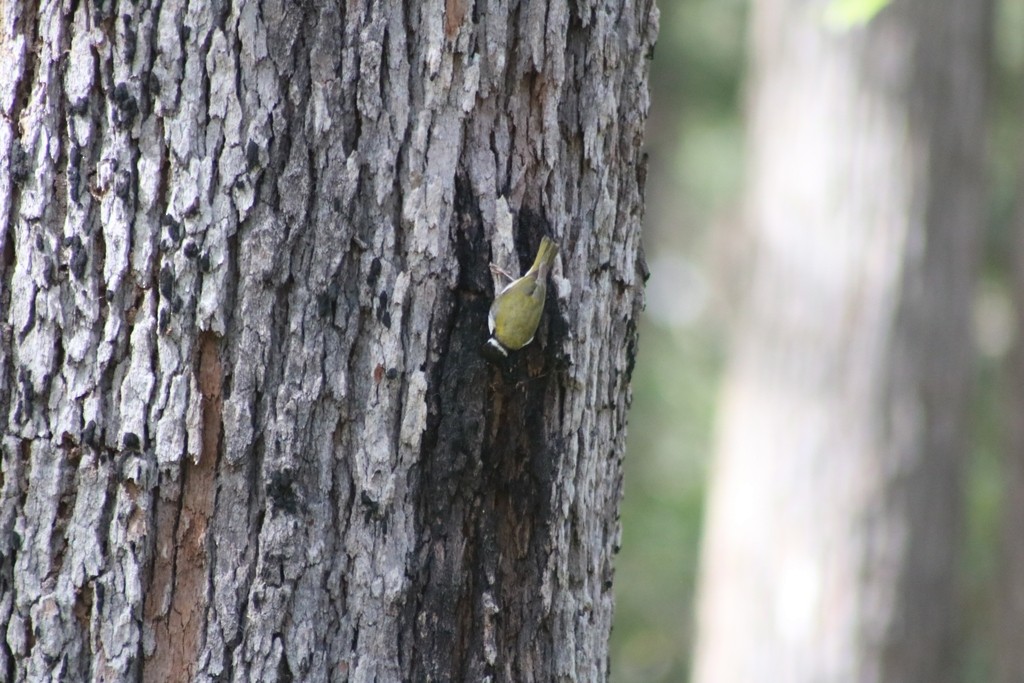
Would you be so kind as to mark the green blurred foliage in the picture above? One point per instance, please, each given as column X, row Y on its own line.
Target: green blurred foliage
column 694, row 139
column 668, row 450
column 695, row 142
column 994, row 328
column 847, row 14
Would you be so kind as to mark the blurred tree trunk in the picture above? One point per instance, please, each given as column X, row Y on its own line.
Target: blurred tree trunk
column 834, row 520
column 1009, row 588
column 247, row 433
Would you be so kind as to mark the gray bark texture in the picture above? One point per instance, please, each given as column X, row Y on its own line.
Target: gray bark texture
column 247, row 433
column 835, row 510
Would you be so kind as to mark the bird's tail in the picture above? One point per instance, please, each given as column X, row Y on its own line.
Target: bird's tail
column 545, row 257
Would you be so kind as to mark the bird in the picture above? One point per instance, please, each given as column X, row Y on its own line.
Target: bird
column 516, row 311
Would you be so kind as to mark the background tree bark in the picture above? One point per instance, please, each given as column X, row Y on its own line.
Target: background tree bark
column 831, row 544
column 247, row 433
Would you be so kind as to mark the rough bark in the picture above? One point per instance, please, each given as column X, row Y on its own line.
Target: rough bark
column 831, row 544
column 247, row 432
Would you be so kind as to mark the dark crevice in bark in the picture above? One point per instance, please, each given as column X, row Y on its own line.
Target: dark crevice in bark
column 30, row 13
column 232, row 326
column 485, row 482
column 521, row 467
column 62, row 189
column 632, row 348
column 203, row 51
column 25, row 476
column 110, row 497
column 350, row 130
column 182, row 34
column 82, row 611
column 7, row 663
column 7, row 258
column 30, row 634
column 440, row 618
column 255, row 519
column 472, row 247
column 308, row 212
column 284, row 671
column 69, row 457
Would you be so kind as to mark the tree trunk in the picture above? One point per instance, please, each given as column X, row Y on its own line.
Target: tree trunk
column 831, row 544
column 247, row 431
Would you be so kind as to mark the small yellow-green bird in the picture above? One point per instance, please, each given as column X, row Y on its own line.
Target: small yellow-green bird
column 515, row 313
